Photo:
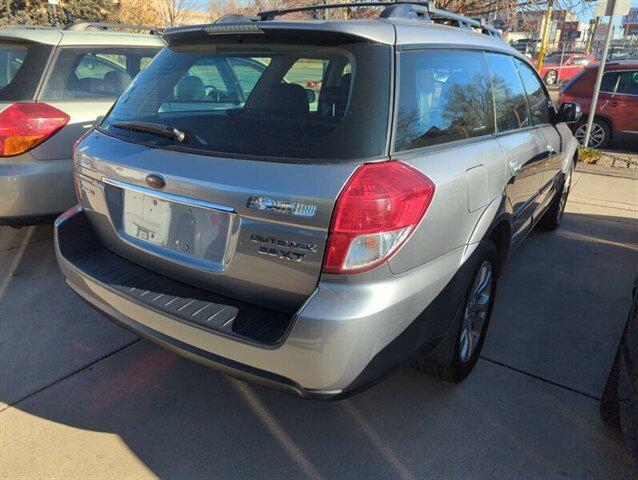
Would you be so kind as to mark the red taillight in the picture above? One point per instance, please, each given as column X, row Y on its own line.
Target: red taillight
column 374, row 214
column 25, row 125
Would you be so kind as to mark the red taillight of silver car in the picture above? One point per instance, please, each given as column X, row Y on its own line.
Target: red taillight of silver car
column 23, row 126
column 375, row 214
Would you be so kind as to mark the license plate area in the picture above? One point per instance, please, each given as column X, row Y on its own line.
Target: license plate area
column 176, row 228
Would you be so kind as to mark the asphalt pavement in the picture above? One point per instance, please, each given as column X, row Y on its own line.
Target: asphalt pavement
column 82, row 398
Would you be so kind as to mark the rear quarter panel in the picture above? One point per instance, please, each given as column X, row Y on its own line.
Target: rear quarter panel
column 469, row 177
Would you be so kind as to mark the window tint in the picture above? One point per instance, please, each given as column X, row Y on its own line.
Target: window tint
column 82, row 73
column 309, row 74
column 21, row 67
column 248, row 71
column 536, row 96
column 444, row 96
column 202, row 88
column 628, row 83
column 275, row 100
column 609, row 82
column 512, row 110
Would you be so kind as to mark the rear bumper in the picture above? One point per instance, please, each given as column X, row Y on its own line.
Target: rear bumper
column 34, row 191
column 342, row 339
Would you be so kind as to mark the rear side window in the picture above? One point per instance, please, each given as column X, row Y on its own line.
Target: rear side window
column 94, row 73
column 304, row 102
column 512, row 110
column 22, row 65
column 536, row 96
column 443, row 96
column 609, row 82
column 628, row 83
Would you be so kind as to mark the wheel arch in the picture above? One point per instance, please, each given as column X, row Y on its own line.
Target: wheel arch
column 496, row 225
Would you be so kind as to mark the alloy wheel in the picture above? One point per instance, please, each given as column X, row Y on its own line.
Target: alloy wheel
column 596, row 138
column 476, row 312
column 550, row 78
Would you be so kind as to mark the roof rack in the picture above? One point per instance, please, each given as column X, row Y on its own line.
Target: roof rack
column 412, row 10
column 84, row 26
column 19, row 26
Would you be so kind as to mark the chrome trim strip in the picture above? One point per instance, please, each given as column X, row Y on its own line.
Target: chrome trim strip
column 169, row 196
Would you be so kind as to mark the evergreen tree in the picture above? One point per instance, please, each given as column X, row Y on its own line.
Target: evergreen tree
column 39, row 12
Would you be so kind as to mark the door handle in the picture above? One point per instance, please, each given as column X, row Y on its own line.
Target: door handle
column 515, row 166
column 614, row 103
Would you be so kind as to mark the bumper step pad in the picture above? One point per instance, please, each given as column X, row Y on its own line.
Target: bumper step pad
column 189, row 304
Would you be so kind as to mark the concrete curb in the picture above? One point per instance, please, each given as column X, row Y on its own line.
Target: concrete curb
column 607, row 171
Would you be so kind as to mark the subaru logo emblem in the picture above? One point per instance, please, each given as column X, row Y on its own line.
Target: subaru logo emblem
column 155, row 181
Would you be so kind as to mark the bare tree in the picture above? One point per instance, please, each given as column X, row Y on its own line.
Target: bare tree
column 173, row 12
column 142, row 12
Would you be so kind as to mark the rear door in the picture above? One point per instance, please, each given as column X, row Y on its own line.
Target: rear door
column 623, row 103
column 84, row 82
column 242, row 204
column 522, row 144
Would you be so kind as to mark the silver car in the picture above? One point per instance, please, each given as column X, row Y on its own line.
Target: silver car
column 54, row 85
column 313, row 204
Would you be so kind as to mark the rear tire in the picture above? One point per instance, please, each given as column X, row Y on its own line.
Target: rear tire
column 471, row 321
column 553, row 216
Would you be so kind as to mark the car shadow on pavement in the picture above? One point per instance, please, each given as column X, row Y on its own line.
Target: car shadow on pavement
column 180, row 419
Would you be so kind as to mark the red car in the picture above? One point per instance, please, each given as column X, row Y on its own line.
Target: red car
column 617, row 108
column 554, row 70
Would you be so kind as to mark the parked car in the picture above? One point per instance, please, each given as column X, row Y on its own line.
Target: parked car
column 54, row 85
column 617, row 102
column 561, row 67
column 619, row 403
column 527, row 46
column 317, row 246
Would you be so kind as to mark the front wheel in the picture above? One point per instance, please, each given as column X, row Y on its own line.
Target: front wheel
column 472, row 321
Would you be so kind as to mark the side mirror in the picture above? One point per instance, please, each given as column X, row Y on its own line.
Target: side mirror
column 569, row 112
column 312, row 96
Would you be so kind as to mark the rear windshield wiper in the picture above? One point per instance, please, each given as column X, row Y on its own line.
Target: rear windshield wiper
column 154, row 128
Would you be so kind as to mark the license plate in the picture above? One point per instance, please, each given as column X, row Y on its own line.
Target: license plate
column 193, row 231
column 146, row 218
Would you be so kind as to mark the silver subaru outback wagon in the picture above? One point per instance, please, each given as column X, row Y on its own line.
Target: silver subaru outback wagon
column 313, row 204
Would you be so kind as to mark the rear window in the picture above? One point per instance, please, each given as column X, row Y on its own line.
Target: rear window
column 21, row 67
column 308, row 102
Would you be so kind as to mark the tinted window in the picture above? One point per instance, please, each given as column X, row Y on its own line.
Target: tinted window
column 275, row 100
column 609, row 82
column 536, row 96
column 444, row 96
column 21, row 67
column 94, row 73
column 247, row 71
column 512, row 110
column 628, row 83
